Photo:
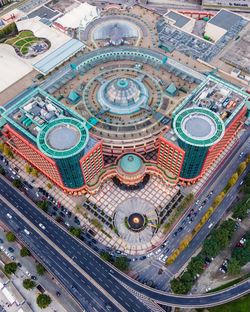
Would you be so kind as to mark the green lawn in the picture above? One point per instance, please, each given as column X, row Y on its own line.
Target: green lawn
column 25, row 33
column 23, row 40
column 240, row 305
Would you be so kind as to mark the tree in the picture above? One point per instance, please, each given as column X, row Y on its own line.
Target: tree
column 10, row 237
column 28, row 284
column 43, row 301
column 49, row 185
column 233, row 266
column 40, row 269
column 96, row 223
column 177, row 286
column 183, row 284
column 232, row 180
column 242, row 167
column 28, row 168
column 43, row 204
column 34, row 172
column 75, row 231
column 106, row 256
column 121, row 263
column 10, row 268
column 17, row 183
column 24, row 252
column 7, row 151
column 196, row 265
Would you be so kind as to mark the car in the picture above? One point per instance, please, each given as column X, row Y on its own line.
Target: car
column 161, row 256
column 197, row 201
column 241, row 154
column 192, row 210
column 1, row 241
column 11, row 249
column 195, row 214
column 33, row 277
column 9, row 215
column 12, row 258
column 180, row 229
column 204, row 202
column 42, row 226
column 210, row 225
column 26, row 232
column 150, row 255
column 19, row 264
column 28, row 273
column 184, row 222
column 200, row 207
column 67, row 224
column 142, row 257
column 2, row 248
column 164, row 258
column 58, row 293
column 62, row 214
column 175, row 233
column 158, row 251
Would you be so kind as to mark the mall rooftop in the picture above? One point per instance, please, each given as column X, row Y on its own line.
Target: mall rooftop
column 43, row 119
column 222, row 98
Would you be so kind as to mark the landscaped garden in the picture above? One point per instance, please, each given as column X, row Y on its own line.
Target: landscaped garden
column 25, row 43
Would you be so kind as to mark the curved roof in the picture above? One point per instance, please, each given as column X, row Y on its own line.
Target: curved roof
column 130, row 163
column 63, row 137
column 198, row 126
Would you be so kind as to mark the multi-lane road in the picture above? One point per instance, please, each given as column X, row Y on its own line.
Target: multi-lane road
column 80, row 270
column 148, row 270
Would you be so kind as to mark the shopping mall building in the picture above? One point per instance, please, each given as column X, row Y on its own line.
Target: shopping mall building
column 65, row 147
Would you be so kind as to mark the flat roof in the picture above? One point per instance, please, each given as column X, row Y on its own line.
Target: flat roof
column 81, row 15
column 58, row 56
column 225, row 19
column 44, row 11
column 13, row 67
column 198, row 126
column 63, row 137
column 180, row 20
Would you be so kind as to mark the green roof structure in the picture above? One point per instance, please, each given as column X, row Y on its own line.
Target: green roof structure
column 130, row 163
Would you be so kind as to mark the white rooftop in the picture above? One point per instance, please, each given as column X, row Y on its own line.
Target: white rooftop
column 13, row 67
column 81, row 15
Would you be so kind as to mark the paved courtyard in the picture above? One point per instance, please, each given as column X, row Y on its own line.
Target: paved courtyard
column 155, row 192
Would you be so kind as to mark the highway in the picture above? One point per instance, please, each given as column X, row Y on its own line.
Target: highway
column 148, row 270
column 80, row 255
column 83, row 257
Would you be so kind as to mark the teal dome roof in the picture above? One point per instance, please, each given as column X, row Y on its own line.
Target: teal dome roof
column 130, row 163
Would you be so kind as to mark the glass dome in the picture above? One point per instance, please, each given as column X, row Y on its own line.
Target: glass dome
column 123, row 95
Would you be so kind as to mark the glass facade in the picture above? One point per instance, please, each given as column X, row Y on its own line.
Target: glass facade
column 193, row 161
column 70, row 171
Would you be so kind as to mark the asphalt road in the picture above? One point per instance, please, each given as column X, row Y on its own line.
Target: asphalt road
column 149, row 269
column 90, row 262
column 80, row 288
column 79, row 254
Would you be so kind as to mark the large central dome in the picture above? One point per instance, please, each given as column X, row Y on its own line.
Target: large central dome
column 123, row 95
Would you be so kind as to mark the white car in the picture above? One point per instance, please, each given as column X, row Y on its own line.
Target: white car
column 9, row 215
column 158, row 251
column 42, row 226
column 161, row 258
column 28, row 273
column 150, row 255
column 26, row 232
column 164, row 258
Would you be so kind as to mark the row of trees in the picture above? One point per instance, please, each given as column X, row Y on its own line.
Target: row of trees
column 120, row 263
column 31, row 170
column 240, row 210
column 185, row 202
column 218, row 240
column 5, row 149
